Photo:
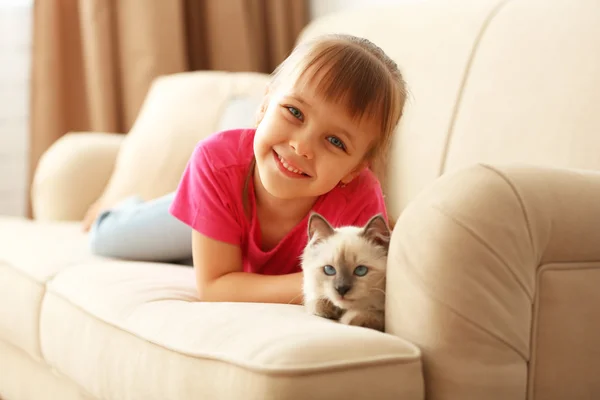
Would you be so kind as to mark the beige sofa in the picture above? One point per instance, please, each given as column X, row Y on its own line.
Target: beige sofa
column 495, row 260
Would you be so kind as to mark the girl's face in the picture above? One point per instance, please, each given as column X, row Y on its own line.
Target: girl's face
column 305, row 146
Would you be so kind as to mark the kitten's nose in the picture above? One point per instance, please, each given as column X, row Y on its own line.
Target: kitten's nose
column 343, row 289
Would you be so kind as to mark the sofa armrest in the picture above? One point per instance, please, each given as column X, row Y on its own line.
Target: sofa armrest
column 72, row 174
column 468, row 260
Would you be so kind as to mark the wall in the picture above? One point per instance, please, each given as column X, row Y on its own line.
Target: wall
column 15, row 41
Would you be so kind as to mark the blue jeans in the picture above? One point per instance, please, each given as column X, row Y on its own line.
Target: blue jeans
column 143, row 231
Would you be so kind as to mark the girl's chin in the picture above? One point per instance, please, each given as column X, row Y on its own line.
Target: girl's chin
column 277, row 190
column 289, row 192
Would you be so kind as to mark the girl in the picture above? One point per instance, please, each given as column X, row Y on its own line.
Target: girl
column 326, row 122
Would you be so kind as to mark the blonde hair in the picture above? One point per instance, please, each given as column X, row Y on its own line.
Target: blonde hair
column 355, row 72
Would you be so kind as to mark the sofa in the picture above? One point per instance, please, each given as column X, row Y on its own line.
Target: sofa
column 494, row 264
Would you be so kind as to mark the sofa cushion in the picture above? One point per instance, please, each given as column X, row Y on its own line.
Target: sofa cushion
column 31, row 253
column 136, row 330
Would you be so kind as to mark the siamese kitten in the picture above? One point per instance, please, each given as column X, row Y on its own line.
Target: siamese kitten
column 344, row 271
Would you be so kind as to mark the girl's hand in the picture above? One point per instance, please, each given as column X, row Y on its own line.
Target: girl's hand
column 91, row 215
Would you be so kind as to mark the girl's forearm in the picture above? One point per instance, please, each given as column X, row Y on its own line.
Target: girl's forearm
column 254, row 288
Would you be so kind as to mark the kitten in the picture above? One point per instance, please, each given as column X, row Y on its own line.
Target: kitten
column 344, row 271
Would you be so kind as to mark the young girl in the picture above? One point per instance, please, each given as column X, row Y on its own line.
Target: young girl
column 325, row 124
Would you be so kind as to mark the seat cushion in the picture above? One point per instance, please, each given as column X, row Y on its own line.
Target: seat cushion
column 133, row 330
column 31, row 253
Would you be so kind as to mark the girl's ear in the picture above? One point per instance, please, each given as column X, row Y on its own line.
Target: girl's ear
column 355, row 172
column 261, row 111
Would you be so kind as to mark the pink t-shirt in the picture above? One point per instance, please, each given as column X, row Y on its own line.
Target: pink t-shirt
column 209, row 199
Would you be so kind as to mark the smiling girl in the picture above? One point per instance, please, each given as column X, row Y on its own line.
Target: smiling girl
column 327, row 119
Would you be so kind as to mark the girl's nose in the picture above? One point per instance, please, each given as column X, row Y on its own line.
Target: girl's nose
column 302, row 147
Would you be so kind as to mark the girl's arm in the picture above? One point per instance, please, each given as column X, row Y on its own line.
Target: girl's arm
column 219, row 276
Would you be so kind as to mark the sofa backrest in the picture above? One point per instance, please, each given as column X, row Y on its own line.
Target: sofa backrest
column 490, row 81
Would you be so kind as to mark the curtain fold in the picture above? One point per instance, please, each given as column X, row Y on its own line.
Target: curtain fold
column 126, row 45
column 94, row 60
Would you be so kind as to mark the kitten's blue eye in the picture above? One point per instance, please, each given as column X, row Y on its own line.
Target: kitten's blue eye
column 361, row 270
column 329, row 270
column 336, row 142
column 296, row 113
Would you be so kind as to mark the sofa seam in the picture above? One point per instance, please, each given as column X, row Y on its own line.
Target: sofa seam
column 461, row 89
column 414, row 358
column 43, row 287
column 468, row 320
column 39, row 358
column 50, row 368
column 553, row 266
column 23, row 273
column 490, row 248
column 519, row 198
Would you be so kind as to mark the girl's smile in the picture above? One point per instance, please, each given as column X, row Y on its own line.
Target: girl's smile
column 289, row 169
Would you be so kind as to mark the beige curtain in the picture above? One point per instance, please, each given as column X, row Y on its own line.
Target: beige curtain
column 93, row 60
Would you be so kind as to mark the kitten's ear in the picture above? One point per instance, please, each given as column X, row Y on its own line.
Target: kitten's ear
column 377, row 230
column 318, row 227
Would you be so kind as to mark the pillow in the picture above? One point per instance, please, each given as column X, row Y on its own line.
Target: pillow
column 180, row 110
column 240, row 112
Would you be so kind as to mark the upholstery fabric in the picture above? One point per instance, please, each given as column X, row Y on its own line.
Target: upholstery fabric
column 477, row 256
column 42, row 382
column 72, row 174
column 494, row 260
column 32, row 253
column 131, row 320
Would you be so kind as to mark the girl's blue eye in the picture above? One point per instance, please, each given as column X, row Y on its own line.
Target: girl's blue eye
column 296, row 113
column 336, row 142
column 329, row 270
column 361, row 270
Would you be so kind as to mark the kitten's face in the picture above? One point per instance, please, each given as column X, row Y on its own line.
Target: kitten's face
column 346, row 265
